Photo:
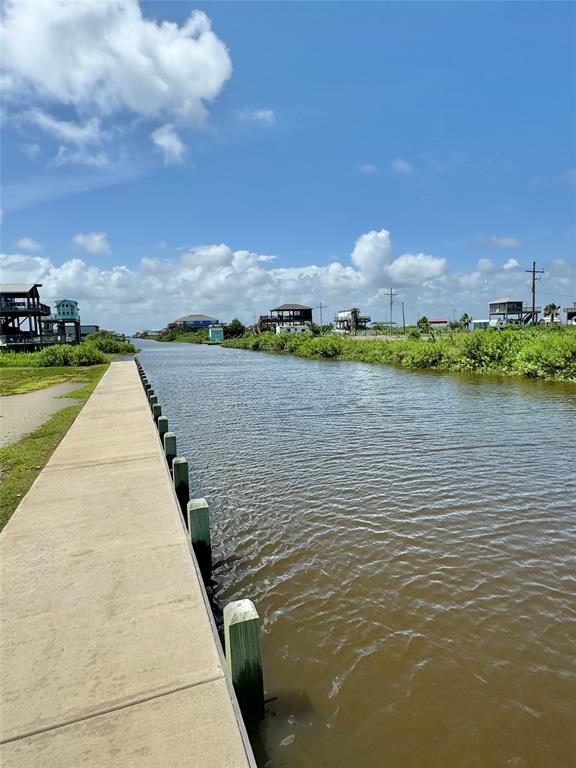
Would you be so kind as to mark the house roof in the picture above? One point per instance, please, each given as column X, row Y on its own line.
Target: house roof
column 17, row 288
column 283, row 307
column 506, row 301
column 191, row 318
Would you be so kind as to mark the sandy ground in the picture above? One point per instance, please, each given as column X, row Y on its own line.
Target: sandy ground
column 22, row 414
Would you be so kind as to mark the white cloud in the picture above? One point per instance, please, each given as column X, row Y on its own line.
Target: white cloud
column 93, row 242
column 402, row 166
column 64, row 130
column 167, row 139
column 511, row 264
column 485, row 265
column 416, row 268
column 503, row 242
column 259, row 115
column 368, row 168
column 66, row 156
column 220, row 281
column 28, row 244
column 100, row 58
column 104, row 54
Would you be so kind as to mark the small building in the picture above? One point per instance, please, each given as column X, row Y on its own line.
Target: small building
column 195, row 321
column 504, row 312
column 477, row 325
column 571, row 315
column 438, row 322
column 216, row 333
column 86, row 330
column 350, row 321
column 21, row 316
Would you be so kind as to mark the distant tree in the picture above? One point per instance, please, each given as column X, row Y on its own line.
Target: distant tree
column 465, row 321
column 235, row 328
column 551, row 309
column 424, row 326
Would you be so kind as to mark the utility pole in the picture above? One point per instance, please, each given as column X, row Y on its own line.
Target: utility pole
column 321, row 323
column 534, row 272
column 453, row 315
column 391, row 294
column 403, row 320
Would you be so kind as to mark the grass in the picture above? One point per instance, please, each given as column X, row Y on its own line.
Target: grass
column 539, row 353
column 18, row 381
column 21, row 462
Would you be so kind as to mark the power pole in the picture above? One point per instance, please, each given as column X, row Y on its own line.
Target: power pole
column 403, row 320
column 391, row 294
column 321, row 323
column 534, row 272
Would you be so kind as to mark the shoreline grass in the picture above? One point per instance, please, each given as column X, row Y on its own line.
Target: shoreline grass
column 22, row 462
column 548, row 355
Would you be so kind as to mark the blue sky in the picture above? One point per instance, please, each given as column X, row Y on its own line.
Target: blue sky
column 449, row 125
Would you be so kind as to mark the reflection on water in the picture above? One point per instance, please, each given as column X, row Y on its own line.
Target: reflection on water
column 408, row 539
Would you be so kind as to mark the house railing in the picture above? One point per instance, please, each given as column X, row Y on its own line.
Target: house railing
column 24, row 306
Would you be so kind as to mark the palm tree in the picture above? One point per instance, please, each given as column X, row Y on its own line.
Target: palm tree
column 551, row 309
column 465, row 321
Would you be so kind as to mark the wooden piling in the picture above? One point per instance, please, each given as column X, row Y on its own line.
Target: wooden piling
column 162, row 425
column 153, row 399
column 199, row 528
column 156, row 411
column 244, row 658
column 180, row 477
column 170, row 447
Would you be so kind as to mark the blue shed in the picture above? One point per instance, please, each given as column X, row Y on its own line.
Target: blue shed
column 216, row 333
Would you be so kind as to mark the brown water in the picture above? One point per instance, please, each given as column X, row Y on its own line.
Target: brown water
column 409, row 541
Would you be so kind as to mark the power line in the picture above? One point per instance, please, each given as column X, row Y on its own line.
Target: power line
column 534, row 272
column 391, row 295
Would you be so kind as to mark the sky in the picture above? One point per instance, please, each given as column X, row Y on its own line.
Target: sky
column 167, row 158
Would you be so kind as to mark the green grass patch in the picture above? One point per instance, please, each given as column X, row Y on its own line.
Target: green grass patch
column 538, row 353
column 21, row 462
column 18, row 381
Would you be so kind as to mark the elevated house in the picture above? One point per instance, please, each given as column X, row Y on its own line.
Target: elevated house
column 21, row 316
column 571, row 314
column 511, row 312
column 350, row 321
column 65, row 322
column 194, row 322
column 287, row 318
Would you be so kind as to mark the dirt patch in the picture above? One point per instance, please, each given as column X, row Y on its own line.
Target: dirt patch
column 22, row 414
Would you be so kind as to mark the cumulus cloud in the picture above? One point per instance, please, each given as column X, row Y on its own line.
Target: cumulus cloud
column 102, row 57
column 485, row 265
column 503, row 242
column 167, row 139
column 105, row 54
column 414, row 268
column 93, row 242
column 259, row 115
column 511, row 264
column 218, row 280
column 28, row 244
column 402, row 166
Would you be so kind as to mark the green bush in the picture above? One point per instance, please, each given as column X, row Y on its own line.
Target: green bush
column 111, row 343
column 59, row 355
column 533, row 352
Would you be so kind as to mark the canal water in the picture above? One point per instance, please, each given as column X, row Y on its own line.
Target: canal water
column 409, row 541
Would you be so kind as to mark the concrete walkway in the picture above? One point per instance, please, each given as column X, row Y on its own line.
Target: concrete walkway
column 22, row 414
column 108, row 651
